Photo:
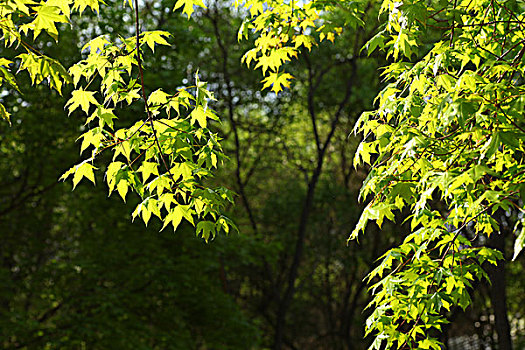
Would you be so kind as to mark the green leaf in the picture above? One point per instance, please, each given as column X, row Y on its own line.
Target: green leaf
column 81, row 5
column 83, row 99
column 275, row 59
column 277, row 81
column 429, row 344
column 160, row 183
column 519, row 244
column 147, row 169
column 377, row 40
column 492, row 145
column 122, row 188
column 4, row 114
column 146, row 208
column 105, row 116
column 63, row 5
column 188, row 6
column 111, row 174
column 199, row 115
column 9, row 77
column 82, row 170
column 206, row 229
column 176, row 215
column 155, row 37
column 522, row 192
column 91, row 137
column 46, row 18
column 158, row 97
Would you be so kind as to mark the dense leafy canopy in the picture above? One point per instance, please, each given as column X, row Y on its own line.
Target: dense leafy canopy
column 446, row 144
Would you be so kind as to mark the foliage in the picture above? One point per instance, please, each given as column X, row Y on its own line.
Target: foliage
column 164, row 156
column 286, row 28
column 445, row 145
column 76, row 271
column 21, row 18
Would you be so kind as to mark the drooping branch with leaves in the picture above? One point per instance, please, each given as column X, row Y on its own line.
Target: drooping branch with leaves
column 445, row 147
column 166, row 155
column 171, row 146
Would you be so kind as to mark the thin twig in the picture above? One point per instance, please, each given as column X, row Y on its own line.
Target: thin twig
column 148, row 112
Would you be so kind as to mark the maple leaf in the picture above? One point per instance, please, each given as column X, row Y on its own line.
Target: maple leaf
column 275, row 59
column 277, row 81
column 147, row 169
column 188, row 6
column 155, row 37
column 81, row 98
column 63, row 5
column 304, row 40
column 79, row 171
column 176, row 215
column 82, row 4
column 249, row 56
column 158, row 97
column 46, row 17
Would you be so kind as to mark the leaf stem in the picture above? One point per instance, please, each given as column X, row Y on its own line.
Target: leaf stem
column 148, row 112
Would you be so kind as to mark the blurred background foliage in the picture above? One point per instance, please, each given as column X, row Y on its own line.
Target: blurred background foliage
column 78, row 274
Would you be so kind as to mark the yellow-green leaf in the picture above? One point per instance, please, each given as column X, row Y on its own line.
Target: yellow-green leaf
column 277, row 81
column 82, row 170
column 188, row 6
column 82, row 99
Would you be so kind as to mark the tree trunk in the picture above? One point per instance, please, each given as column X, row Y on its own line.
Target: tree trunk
column 498, row 293
column 294, row 269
